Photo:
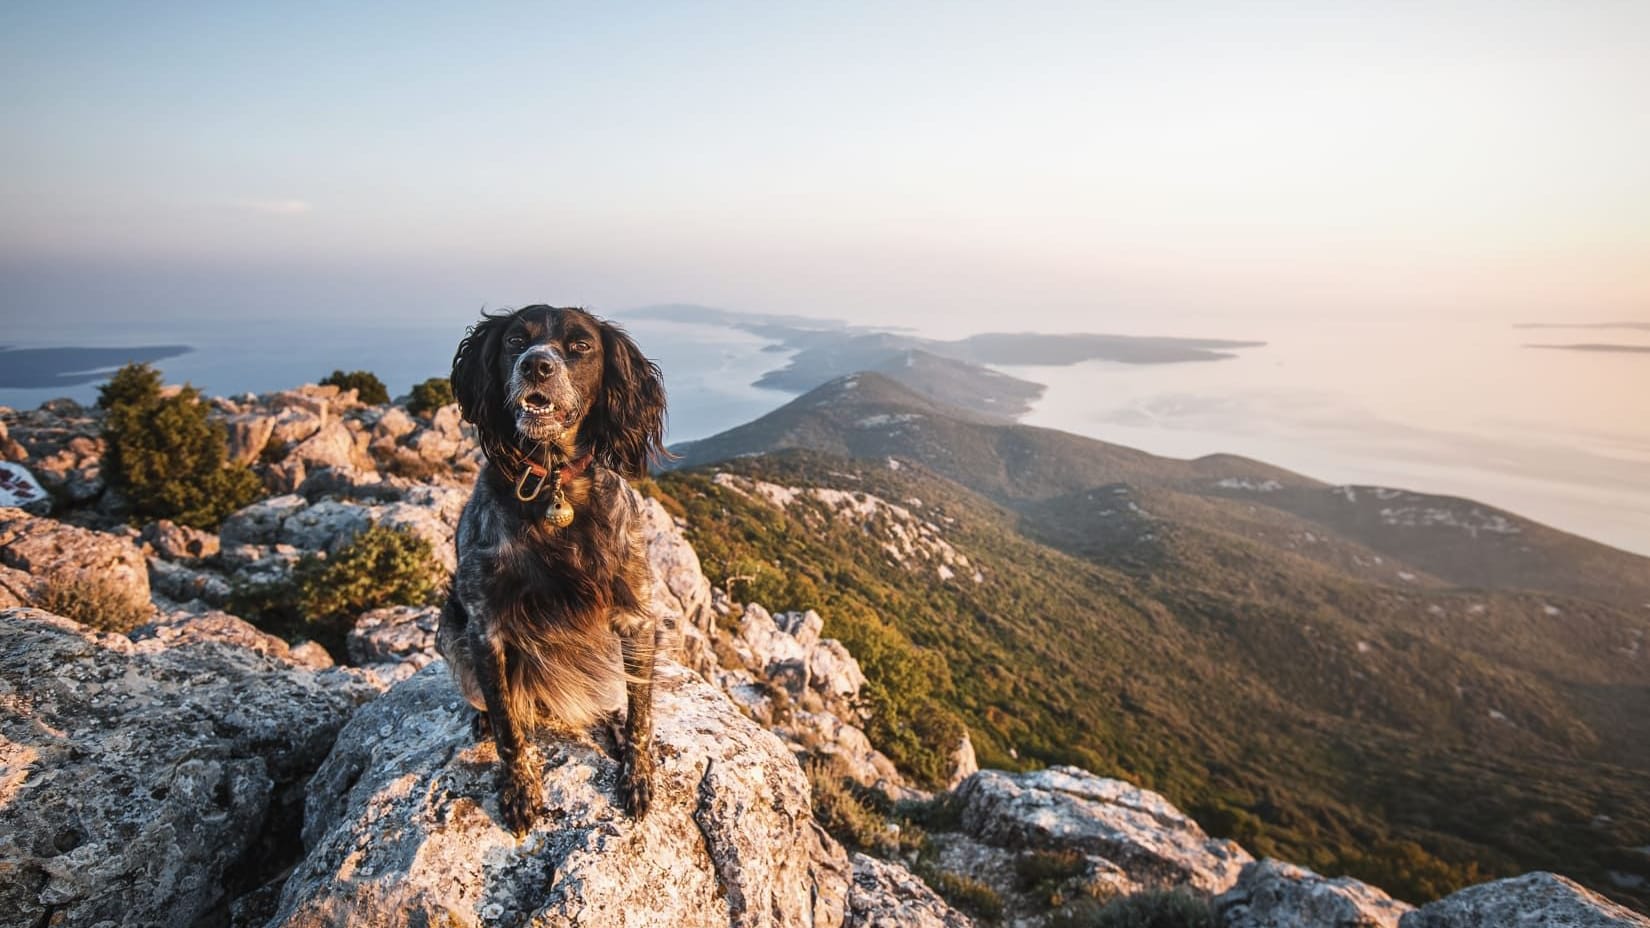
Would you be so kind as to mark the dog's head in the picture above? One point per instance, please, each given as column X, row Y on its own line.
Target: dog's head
column 562, row 376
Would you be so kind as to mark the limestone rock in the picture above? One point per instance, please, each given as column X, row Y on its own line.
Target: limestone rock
column 136, row 778
column 1534, row 899
column 180, row 542
column 324, row 526
column 402, row 826
column 1064, row 808
column 396, row 641
column 49, row 549
column 886, row 895
column 1273, row 894
column 333, row 446
column 679, row 585
column 10, row 450
column 180, row 583
column 19, row 490
column 259, row 523
column 248, row 434
column 963, row 762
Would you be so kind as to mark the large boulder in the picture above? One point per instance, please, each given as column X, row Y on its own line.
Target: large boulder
column 144, row 783
column 402, row 826
column 1066, row 808
column 679, row 585
column 886, row 895
column 1534, row 899
column 1273, row 894
column 51, row 550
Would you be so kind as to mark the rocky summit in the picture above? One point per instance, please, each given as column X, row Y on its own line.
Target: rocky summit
column 402, row 826
column 166, row 762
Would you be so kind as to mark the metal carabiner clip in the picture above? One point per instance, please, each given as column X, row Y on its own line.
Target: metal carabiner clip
column 521, row 482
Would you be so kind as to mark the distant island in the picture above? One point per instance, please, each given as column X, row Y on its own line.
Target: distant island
column 957, row 372
column 1634, row 326
column 32, row 368
column 1597, row 346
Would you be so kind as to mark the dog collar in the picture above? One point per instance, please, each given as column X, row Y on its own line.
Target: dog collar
column 560, row 513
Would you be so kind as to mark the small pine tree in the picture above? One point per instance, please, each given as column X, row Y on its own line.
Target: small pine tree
column 368, row 388
column 429, row 396
column 166, row 456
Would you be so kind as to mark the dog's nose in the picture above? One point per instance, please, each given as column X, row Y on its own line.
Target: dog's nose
column 544, row 366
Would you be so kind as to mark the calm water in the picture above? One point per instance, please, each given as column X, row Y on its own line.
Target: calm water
column 1562, row 437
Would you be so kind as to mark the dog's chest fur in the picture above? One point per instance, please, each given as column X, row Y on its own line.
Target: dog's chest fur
column 551, row 596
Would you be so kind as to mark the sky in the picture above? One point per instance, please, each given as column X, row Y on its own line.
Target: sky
column 1182, row 168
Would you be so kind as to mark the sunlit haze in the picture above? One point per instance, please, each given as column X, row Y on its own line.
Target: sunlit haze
column 937, row 165
column 1378, row 191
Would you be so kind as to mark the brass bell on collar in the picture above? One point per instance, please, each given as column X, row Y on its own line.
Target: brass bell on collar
column 560, row 513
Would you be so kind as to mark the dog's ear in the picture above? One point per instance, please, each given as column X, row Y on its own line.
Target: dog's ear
column 626, row 425
column 476, row 382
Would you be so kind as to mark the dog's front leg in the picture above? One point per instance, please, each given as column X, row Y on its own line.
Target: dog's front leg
column 520, row 789
column 636, row 638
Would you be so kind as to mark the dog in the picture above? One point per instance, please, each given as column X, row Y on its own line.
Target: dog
column 549, row 623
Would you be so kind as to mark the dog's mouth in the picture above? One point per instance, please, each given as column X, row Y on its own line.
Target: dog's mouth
column 537, row 405
column 540, row 417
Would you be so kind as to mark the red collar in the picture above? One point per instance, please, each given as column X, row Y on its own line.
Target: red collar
column 567, row 471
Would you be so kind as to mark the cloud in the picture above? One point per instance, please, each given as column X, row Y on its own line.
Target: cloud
column 272, row 207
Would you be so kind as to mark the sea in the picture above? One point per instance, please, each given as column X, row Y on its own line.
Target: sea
column 1463, row 408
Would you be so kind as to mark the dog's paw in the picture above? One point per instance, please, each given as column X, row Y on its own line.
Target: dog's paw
column 519, row 801
column 636, row 786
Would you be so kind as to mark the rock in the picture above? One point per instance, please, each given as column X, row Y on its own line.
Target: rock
column 325, row 526
column 249, row 433
column 180, row 542
column 19, row 490
column 332, row 446
column 886, row 895
column 395, row 641
column 52, row 550
column 1534, row 899
column 10, row 450
column 761, row 643
column 963, row 762
column 425, row 522
column 259, row 523
column 139, row 782
column 395, row 423
column 1273, row 894
column 180, row 583
column 402, row 826
column 17, row 588
column 835, row 675
column 222, row 628
column 1063, row 808
column 679, row 585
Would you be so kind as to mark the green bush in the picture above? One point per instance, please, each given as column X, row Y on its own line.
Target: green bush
column 368, row 388
column 165, row 456
column 429, row 396
column 96, row 602
column 1177, row 908
column 325, row 595
column 840, row 810
column 966, row 893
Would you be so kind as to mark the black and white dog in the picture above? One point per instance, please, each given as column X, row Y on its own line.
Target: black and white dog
column 549, row 623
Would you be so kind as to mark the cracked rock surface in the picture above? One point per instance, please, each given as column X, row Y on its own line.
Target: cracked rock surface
column 139, row 781
column 402, row 825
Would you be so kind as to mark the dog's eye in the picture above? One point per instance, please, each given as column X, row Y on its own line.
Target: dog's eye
column 579, row 347
column 515, row 341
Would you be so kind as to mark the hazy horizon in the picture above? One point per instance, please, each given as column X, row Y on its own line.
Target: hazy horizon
column 1380, row 191
column 927, row 165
